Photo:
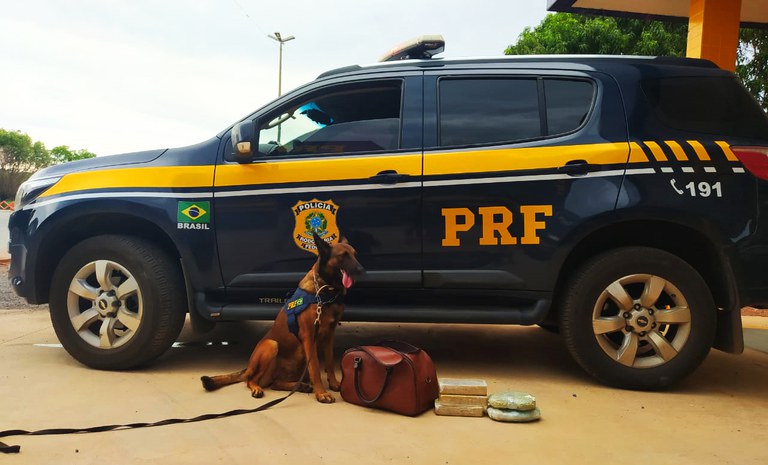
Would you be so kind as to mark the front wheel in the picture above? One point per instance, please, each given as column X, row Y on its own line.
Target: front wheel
column 116, row 302
column 638, row 318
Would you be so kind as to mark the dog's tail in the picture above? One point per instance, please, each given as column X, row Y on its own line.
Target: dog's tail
column 211, row 383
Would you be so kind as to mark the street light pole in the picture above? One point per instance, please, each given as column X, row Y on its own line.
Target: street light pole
column 281, row 40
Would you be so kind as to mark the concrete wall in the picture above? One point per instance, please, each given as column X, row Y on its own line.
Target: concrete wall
column 4, row 235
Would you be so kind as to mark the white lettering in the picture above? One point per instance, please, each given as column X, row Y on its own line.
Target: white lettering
column 193, row 226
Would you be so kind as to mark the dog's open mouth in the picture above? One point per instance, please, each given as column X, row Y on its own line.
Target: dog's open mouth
column 346, row 280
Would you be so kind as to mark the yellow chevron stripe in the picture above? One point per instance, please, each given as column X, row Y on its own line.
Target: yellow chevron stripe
column 727, row 150
column 677, row 150
column 701, row 152
column 488, row 161
column 657, row 152
column 117, row 178
column 636, row 153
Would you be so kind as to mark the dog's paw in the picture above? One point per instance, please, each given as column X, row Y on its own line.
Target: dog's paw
column 257, row 393
column 334, row 385
column 325, row 397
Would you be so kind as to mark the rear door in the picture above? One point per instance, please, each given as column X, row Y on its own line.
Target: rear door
column 515, row 162
column 341, row 159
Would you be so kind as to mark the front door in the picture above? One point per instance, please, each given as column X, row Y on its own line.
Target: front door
column 338, row 160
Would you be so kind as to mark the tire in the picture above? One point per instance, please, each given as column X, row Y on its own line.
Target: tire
column 638, row 318
column 117, row 302
column 550, row 328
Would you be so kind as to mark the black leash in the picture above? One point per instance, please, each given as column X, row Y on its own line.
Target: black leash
column 100, row 429
column 5, row 448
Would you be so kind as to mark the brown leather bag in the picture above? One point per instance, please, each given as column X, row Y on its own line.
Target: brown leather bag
column 391, row 375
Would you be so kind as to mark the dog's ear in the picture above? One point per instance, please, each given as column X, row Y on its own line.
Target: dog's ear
column 323, row 248
column 343, row 240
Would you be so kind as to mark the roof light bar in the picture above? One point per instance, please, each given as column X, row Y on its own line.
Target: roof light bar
column 420, row 48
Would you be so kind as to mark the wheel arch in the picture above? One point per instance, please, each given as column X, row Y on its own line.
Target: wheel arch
column 78, row 228
column 690, row 244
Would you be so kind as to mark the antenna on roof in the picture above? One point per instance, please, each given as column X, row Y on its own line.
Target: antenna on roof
column 420, row 48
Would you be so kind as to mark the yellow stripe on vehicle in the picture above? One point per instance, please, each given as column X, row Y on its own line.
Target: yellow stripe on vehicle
column 149, row 177
column 636, row 153
column 527, row 158
column 316, row 169
column 657, row 152
column 701, row 152
column 727, row 150
column 677, row 150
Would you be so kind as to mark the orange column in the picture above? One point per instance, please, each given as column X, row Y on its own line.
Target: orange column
column 713, row 31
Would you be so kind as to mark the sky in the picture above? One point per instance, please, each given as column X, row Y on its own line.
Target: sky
column 116, row 76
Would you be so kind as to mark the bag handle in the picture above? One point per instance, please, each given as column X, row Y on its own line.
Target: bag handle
column 358, row 362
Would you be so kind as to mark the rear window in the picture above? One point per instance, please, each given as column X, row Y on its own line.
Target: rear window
column 482, row 111
column 568, row 104
column 710, row 105
column 487, row 110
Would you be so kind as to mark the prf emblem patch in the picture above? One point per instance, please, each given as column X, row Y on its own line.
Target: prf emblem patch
column 193, row 215
column 315, row 216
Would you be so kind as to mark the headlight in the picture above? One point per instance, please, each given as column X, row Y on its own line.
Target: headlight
column 30, row 190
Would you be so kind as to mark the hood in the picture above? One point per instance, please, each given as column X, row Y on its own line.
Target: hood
column 99, row 162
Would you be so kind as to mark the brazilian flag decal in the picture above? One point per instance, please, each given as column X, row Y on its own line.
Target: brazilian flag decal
column 194, row 212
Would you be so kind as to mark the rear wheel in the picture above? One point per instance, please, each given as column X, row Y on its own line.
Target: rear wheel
column 117, row 302
column 638, row 318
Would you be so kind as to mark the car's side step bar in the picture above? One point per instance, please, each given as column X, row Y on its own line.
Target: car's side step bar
column 530, row 315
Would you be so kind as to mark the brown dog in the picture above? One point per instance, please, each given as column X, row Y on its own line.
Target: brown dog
column 278, row 360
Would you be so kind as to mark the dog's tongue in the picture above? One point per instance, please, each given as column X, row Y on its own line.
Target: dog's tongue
column 346, row 280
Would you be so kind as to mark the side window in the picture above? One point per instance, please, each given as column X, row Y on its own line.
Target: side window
column 568, row 104
column 492, row 110
column 479, row 111
column 343, row 119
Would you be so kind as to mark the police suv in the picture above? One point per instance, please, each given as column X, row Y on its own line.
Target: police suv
column 621, row 200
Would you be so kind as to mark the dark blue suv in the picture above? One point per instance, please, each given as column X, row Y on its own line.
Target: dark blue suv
column 621, row 200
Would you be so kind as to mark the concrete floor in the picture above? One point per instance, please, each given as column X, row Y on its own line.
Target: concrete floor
column 719, row 415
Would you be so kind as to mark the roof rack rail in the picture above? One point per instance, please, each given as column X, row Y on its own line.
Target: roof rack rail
column 422, row 47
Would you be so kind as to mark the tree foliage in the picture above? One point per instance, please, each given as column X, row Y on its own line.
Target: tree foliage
column 63, row 154
column 19, row 154
column 752, row 63
column 20, row 157
column 565, row 33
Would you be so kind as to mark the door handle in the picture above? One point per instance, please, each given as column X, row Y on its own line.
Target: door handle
column 389, row 177
column 575, row 168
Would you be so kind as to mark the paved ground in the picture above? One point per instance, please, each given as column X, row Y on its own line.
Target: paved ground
column 717, row 416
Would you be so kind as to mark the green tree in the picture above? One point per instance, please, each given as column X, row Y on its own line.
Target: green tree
column 19, row 158
column 583, row 34
column 63, row 154
column 565, row 33
column 18, row 153
column 752, row 63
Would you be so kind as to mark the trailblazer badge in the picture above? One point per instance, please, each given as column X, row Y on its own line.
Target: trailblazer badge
column 315, row 216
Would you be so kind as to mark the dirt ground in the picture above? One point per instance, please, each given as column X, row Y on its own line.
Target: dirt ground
column 719, row 415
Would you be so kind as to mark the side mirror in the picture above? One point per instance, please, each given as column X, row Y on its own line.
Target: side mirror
column 245, row 141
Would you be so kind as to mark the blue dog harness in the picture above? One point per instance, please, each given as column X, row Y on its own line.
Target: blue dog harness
column 293, row 307
column 299, row 302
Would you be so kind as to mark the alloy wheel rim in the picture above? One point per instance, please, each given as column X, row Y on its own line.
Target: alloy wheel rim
column 104, row 304
column 641, row 321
